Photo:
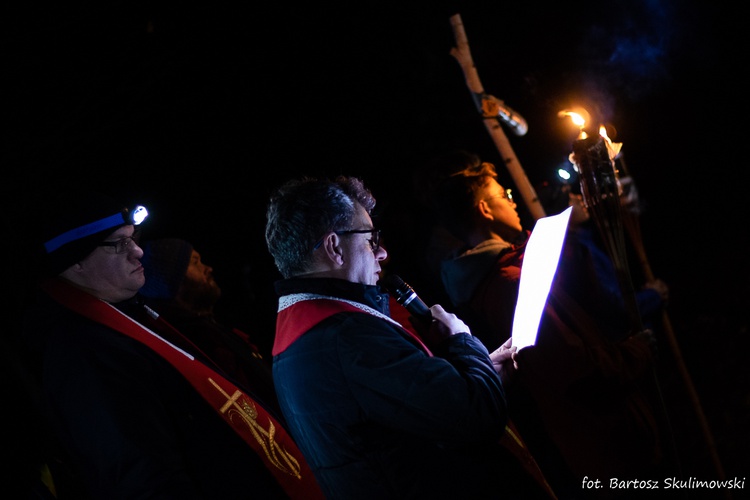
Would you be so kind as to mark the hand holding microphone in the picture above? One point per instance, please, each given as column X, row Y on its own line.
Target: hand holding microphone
column 433, row 323
column 406, row 296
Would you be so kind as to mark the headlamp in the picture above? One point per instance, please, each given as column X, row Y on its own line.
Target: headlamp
column 135, row 216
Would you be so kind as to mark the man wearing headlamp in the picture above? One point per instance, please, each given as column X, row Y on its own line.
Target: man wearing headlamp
column 105, row 252
column 138, row 410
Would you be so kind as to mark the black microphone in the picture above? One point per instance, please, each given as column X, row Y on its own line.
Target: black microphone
column 406, row 296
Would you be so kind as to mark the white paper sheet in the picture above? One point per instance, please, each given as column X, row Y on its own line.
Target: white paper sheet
column 537, row 272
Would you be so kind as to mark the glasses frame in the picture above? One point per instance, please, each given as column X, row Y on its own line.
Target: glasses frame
column 121, row 245
column 374, row 241
column 507, row 195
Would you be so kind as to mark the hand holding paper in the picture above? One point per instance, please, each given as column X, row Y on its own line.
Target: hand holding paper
column 504, row 362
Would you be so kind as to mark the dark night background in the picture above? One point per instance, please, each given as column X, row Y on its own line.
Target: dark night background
column 199, row 111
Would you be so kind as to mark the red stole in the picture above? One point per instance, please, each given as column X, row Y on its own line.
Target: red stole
column 265, row 435
column 293, row 321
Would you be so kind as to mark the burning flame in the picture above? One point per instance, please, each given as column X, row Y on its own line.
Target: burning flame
column 577, row 119
column 613, row 147
column 578, row 116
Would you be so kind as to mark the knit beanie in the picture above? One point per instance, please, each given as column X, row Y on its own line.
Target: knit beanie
column 70, row 225
column 165, row 262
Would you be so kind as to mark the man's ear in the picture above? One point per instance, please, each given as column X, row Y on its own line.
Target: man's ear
column 71, row 272
column 333, row 249
column 484, row 211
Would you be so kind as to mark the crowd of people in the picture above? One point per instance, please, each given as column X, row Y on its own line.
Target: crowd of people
column 136, row 389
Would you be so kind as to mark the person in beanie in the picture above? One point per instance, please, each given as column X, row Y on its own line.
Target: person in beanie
column 182, row 288
column 137, row 409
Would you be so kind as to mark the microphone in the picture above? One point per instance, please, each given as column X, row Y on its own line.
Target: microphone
column 406, row 296
column 492, row 107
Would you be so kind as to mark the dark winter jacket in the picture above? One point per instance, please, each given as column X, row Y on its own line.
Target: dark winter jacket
column 379, row 418
column 577, row 392
column 129, row 423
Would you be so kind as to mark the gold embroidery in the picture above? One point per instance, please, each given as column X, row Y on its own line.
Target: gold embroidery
column 237, row 406
column 513, row 435
column 249, row 408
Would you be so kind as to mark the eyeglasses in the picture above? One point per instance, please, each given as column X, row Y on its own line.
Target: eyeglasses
column 374, row 241
column 122, row 245
column 507, row 194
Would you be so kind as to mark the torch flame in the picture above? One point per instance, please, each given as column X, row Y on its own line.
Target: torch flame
column 578, row 116
column 577, row 119
column 612, row 147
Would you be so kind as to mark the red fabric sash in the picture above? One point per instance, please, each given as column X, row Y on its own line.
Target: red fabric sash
column 293, row 321
column 265, row 435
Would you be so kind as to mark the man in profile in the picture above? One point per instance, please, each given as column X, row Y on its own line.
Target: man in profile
column 137, row 411
column 378, row 411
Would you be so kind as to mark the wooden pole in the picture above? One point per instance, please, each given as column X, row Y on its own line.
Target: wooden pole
column 633, row 228
column 462, row 54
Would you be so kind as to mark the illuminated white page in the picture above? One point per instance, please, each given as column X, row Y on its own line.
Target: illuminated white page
column 537, row 271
